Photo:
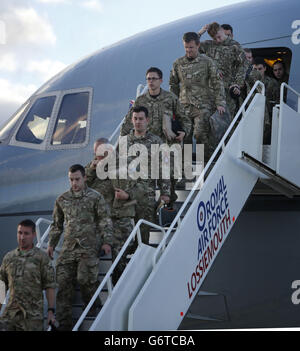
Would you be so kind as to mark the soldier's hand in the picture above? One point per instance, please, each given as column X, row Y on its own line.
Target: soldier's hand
column 51, row 317
column 121, row 194
column 236, row 89
column 203, row 29
column 221, row 109
column 106, row 248
column 50, row 252
column 165, row 198
column 180, row 136
column 94, row 163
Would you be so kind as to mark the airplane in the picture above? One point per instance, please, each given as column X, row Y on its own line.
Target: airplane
column 250, row 283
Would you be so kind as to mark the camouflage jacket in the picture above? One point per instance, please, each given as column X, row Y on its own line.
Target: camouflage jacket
column 165, row 103
column 228, row 41
column 272, row 92
column 283, row 79
column 191, row 81
column 229, row 58
column 84, row 218
column 152, row 143
column 26, row 274
column 106, row 187
column 103, row 186
column 272, row 89
column 252, row 75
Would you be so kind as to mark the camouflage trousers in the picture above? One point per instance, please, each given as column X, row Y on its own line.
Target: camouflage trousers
column 232, row 104
column 146, row 210
column 75, row 267
column 122, row 229
column 174, row 169
column 201, row 130
column 16, row 322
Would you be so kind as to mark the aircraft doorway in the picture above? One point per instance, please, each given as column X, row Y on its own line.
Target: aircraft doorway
column 277, row 59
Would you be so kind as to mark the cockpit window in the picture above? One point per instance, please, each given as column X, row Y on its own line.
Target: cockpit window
column 71, row 123
column 34, row 126
column 7, row 128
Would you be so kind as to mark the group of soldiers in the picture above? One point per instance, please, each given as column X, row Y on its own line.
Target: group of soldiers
column 97, row 215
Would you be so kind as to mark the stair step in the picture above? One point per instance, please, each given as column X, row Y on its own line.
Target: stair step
column 86, row 324
column 203, row 318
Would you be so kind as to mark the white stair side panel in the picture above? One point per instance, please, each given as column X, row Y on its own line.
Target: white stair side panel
column 176, row 278
column 250, row 135
column 288, row 160
column 274, row 138
column 114, row 314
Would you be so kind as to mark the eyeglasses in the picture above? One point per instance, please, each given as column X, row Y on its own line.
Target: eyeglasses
column 151, row 78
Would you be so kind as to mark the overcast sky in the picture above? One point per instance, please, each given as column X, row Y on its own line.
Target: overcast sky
column 38, row 38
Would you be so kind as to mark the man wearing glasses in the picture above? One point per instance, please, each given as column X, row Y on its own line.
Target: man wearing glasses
column 163, row 107
column 159, row 103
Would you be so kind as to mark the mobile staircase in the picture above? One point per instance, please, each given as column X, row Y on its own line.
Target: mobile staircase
column 159, row 284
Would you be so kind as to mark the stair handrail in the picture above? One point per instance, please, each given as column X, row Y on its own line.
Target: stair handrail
column 44, row 237
column 115, row 132
column 41, row 239
column 288, row 87
column 107, row 279
column 221, row 144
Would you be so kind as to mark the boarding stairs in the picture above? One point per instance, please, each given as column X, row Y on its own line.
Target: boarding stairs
column 159, row 283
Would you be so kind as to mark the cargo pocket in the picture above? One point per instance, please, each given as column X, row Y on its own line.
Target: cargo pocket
column 88, row 270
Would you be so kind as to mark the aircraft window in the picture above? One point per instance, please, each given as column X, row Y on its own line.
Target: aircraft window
column 5, row 130
column 34, row 126
column 71, row 122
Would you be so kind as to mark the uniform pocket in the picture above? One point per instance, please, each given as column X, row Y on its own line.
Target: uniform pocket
column 88, row 270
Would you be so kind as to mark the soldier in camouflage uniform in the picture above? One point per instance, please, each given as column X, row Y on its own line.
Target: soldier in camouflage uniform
column 26, row 272
column 103, row 186
column 252, row 75
column 281, row 75
column 228, row 30
column 122, row 196
column 230, row 60
column 84, row 217
column 272, row 92
column 160, row 103
column 191, row 78
column 279, row 72
column 140, row 136
column 163, row 107
column 128, row 193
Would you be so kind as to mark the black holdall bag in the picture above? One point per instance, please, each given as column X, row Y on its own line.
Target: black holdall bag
column 166, row 215
column 219, row 124
column 176, row 126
